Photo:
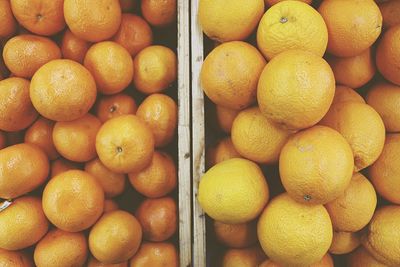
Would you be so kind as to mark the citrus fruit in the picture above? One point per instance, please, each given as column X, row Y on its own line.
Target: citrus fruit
column 22, row 224
column 155, row 69
column 385, row 172
column 326, row 261
column 381, row 238
column 61, row 249
column 236, row 235
column 353, row 25
column 160, row 113
column 128, row 5
column 76, row 140
column 237, row 183
column 316, row 165
column 157, row 179
column 125, row 144
column 62, row 165
column 222, row 151
column 385, row 99
column 112, row 183
column 354, row 209
column 344, row 242
column 156, row 255
column 256, row 137
column 362, row 127
column 14, row 258
column 39, row 16
column 293, row 233
column 16, row 110
column 40, row 133
column 344, row 94
column 388, row 57
column 93, row 262
column 110, row 205
column 73, row 200
column 159, row 13
column 353, row 71
column 225, row 21
column 9, row 25
column 111, row 66
column 115, row 237
column 245, row 257
column 25, row 54
column 112, row 106
column 390, row 11
column 361, row 258
column 225, row 118
column 158, row 218
column 23, row 168
column 93, row 20
column 73, row 47
column 296, row 89
column 230, row 73
column 273, row 2
column 134, row 34
column 54, row 94
column 291, row 25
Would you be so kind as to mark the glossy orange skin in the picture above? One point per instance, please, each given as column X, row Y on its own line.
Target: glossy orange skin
column 7, row 20
column 159, row 13
column 73, row 47
column 112, row 106
column 155, row 255
column 40, row 133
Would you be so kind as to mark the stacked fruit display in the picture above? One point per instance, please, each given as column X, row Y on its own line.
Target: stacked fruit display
column 87, row 101
column 308, row 98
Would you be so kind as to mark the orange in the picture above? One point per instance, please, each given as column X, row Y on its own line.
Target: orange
column 155, row 255
column 230, row 73
column 62, row 165
column 293, row 233
column 385, row 99
column 157, row 179
column 110, row 205
column 381, row 237
column 233, row 191
column 222, row 151
column 73, row 47
column 390, row 11
column 54, row 93
column 9, row 25
column 23, row 168
column 61, row 249
column 22, row 224
column 326, row 261
column 115, row 237
column 39, row 16
column 353, row 25
column 76, row 140
column 245, row 257
column 159, row 13
column 111, row 66
column 112, row 106
column 127, row 5
column 256, row 137
column 362, row 127
column 125, row 144
column 291, row 25
column 113, row 184
column 16, row 110
column 14, row 258
column 361, row 258
column 134, row 34
column 296, row 89
column 273, row 2
column 25, row 54
column 73, row 200
column 225, row 21
column 353, row 210
column 155, row 69
column 344, row 94
column 344, row 242
column 3, row 140
column 225, row 117
column 40, row 133
column 236, row 235
column 353, row 71
column 160, row 113
column 93, row 262
column 316, row 165
column 158, row 217
column 93, row 20
column 385, row 172
column 388, row 57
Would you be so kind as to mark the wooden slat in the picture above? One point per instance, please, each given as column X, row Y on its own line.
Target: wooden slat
column 198, row 139
column 185, row 244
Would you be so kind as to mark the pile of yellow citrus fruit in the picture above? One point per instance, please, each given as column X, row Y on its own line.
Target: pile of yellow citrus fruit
column 305, row 170
column 85, row 105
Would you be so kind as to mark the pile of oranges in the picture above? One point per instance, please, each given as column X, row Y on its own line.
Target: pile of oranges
column 85, row 106
column 306, row 169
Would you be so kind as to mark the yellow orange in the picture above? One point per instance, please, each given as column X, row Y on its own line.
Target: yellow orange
column 40, row 133
column 388, row 57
